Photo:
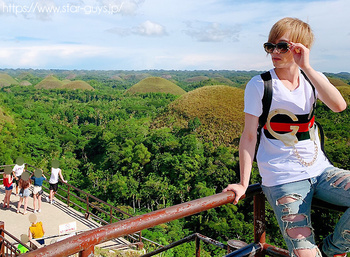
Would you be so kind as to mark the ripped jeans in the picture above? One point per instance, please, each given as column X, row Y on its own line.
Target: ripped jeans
column 291, row 203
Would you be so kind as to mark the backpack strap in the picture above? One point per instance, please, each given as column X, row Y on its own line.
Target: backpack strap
column 267, row 98
column 266, row 102
column 313, row 88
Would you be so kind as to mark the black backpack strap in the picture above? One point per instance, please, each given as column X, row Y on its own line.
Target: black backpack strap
column 266, row 104
column 313, row 88
column 320, row 129
column 267, row 98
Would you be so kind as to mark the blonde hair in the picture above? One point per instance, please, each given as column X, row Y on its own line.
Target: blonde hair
column 299, row 31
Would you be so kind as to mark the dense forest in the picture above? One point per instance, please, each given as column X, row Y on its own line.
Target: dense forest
column 109, row 144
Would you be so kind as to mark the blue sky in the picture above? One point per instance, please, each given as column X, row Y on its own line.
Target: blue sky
column 163, row 34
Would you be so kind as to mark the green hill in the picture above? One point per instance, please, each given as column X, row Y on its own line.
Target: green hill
column 156, row 85
column 4, row 118
column 6, row 80
column 50, row 82
column 342, row 86
column 77, row 84
column 218, row 108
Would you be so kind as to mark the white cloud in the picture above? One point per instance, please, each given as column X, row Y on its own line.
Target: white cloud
column 39, row 56
column 149, row 28
column 212, row 31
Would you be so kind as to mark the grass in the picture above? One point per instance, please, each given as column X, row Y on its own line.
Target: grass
column 78, row 84
column 6, row 80
column 99, row 252
column 156, row 85
column 51, row 82
column 218, row 108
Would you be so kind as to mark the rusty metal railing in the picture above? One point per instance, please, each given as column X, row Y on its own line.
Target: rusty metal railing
column 7, row 248
column 84, row 243
column 90, row 206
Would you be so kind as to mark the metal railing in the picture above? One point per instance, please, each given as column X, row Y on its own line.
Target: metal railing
column 6, row 247
column 84, row 243
column 92, row 207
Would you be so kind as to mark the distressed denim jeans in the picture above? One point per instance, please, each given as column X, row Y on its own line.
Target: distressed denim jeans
column 291, row 203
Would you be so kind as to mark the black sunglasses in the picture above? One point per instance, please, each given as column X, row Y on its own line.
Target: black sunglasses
column 281, row 47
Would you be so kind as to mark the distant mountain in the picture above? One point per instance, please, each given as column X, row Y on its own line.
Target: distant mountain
column 219, row 109
column 156, row 85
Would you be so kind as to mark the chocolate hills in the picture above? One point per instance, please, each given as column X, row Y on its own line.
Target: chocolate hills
column 219, row 110
column 156, row 85
column 51, row 82
column 6, row 80
column 77, row 84
column 4, row 118
column 342, row 86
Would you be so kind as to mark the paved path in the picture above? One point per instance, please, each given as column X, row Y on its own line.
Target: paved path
column 51, row 215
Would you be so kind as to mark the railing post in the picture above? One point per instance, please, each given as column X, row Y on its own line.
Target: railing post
column 198, row 247
column 259, row 221
column 2, row 234
column 110, row 215
column 68, row 196
column 89, row 252
column 87, row 207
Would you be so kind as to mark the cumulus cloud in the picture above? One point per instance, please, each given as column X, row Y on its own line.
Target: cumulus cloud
column 147, row 29
column 212, row 32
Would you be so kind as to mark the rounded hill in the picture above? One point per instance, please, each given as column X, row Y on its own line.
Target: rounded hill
column 6, row 80
column 77, row 84
column 342, row 86
column 4, row 117
column 156, row 85
column 217, row 109
column 50, row 82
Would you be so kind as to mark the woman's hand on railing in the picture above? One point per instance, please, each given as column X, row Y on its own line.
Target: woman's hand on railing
column 238, row 189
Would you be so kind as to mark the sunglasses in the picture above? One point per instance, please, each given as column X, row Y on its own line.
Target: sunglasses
column 281, row 47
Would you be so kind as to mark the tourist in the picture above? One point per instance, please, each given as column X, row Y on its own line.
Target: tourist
column 24, row 184
column 56, row 173
column 293, row 167
column 38, row 178
column 36, row 230
column 7, row 181
column 18, row 169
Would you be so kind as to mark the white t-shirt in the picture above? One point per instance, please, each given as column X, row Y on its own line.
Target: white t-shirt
column 18, row 169
column 277, row 163
column 54, row 175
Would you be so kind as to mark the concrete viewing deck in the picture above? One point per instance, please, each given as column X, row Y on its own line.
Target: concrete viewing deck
column 52, row 216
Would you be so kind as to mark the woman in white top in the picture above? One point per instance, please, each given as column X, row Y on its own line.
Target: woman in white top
column 56, row 173
column 17, row 171
column 291, row 163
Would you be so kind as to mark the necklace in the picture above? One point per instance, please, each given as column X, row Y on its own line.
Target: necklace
column 301, row 160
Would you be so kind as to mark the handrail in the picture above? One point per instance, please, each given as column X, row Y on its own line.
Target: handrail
column 4, row 243
column 90, row 205
column 85, row 242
